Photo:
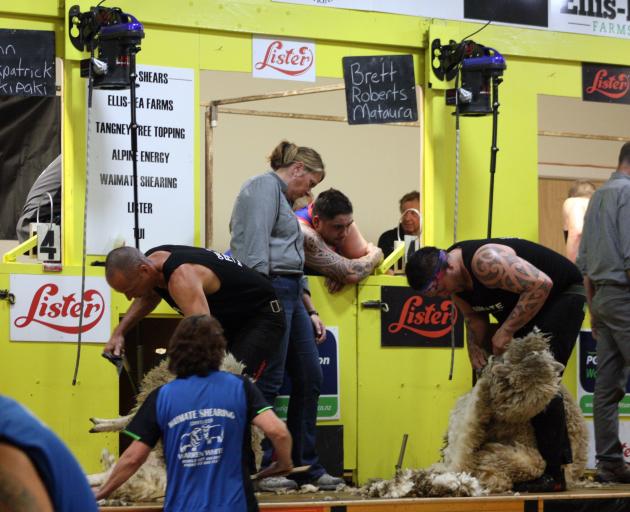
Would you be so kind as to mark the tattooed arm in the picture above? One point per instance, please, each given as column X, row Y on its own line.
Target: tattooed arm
column 498, row 266
column 477, row 332
column 326, row 261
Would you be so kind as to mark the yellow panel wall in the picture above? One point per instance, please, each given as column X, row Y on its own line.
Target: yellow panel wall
column 340, row 310
column 401, row 391
column 217, row 35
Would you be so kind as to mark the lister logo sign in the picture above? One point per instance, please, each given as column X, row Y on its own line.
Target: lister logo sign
column 604, row 83
column 49, row 308
column 413, row 320
column 283, row 59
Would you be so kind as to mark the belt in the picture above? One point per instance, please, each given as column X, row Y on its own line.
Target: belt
column 287, row 276
column 575, row 289
column 275, row 306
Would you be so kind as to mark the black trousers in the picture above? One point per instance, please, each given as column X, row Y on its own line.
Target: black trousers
column 561, row 318
column 254, row 342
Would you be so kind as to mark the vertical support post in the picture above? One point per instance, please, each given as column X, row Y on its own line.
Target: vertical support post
column 211, row 122
column 496, row 80
column 134, row 144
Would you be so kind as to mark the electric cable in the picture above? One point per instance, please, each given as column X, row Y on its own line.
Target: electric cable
column 475, row 32
column 85, row 210
column 453, row 309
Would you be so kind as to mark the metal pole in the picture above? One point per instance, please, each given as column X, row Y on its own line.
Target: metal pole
column 496, row 80
column 134, row 145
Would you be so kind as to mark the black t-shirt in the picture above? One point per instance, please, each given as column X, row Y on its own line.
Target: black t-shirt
column 387, row 239
column 243, row 292
column 500, row 303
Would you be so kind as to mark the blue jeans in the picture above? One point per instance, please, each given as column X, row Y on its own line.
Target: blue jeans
column 298, row 353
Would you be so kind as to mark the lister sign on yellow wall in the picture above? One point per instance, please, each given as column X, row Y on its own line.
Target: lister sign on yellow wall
column 48, row 308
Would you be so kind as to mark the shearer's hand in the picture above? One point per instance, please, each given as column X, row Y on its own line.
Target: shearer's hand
column 115, row 345
column 500, row 341
column 477, row 356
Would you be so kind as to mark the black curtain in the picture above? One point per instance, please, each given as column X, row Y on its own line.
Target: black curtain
column 30, row 138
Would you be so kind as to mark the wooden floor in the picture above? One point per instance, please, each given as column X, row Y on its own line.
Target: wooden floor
column 607, row 499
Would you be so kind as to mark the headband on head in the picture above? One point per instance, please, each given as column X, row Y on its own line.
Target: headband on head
column 441, row 263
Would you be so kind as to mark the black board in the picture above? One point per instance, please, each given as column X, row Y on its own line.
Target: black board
column 380, row 89
column 27, row 63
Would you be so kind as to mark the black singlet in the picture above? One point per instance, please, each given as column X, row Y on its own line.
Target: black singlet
column 243, row 293
column 500, row 303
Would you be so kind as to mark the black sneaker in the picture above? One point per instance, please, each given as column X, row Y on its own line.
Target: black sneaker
column 615, row 473
column 544, row 483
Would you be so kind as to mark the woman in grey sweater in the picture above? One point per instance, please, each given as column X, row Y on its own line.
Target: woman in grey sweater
column 267, row 237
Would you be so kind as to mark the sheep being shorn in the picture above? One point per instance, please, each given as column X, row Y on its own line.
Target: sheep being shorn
column 490, row 438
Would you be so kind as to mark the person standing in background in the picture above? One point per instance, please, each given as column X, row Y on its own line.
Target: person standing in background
column 410, row 223
column 573, row 210
column 266, row 236
column 604, row 260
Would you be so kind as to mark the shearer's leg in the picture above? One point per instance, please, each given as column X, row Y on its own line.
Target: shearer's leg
column 561, row 319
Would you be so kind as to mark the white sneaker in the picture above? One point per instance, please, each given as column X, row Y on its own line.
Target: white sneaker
column 327, row 482
column 276, row 483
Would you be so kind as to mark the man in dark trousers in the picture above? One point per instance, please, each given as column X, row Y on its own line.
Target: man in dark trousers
column 604, row 259
column 197, row 281
column 523, row 285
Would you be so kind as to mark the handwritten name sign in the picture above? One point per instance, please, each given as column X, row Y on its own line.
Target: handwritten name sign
column 27, row 63
column 380, row 89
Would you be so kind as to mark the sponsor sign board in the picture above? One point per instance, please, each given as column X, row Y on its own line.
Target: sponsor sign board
column 328, row 407
column 603, row 83
column 413, row 320
column 165, row 110
column 283, row 59
column 47, row 308
column 587, row 373
column 609, row 18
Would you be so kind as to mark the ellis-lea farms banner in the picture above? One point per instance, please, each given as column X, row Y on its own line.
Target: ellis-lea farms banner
column 165, row 110
column 609, row 18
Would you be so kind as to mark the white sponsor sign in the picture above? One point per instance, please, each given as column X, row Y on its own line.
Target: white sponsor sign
column 165, row 109
column 447, row 9
column 609, row 18
column 284, row 59
column 47, row 308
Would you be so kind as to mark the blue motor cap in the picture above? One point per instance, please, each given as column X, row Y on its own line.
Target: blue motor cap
column 485, row 62
column 130, row 27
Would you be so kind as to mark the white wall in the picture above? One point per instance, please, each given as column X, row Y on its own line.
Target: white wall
column 581, row 158
column 373, row 165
